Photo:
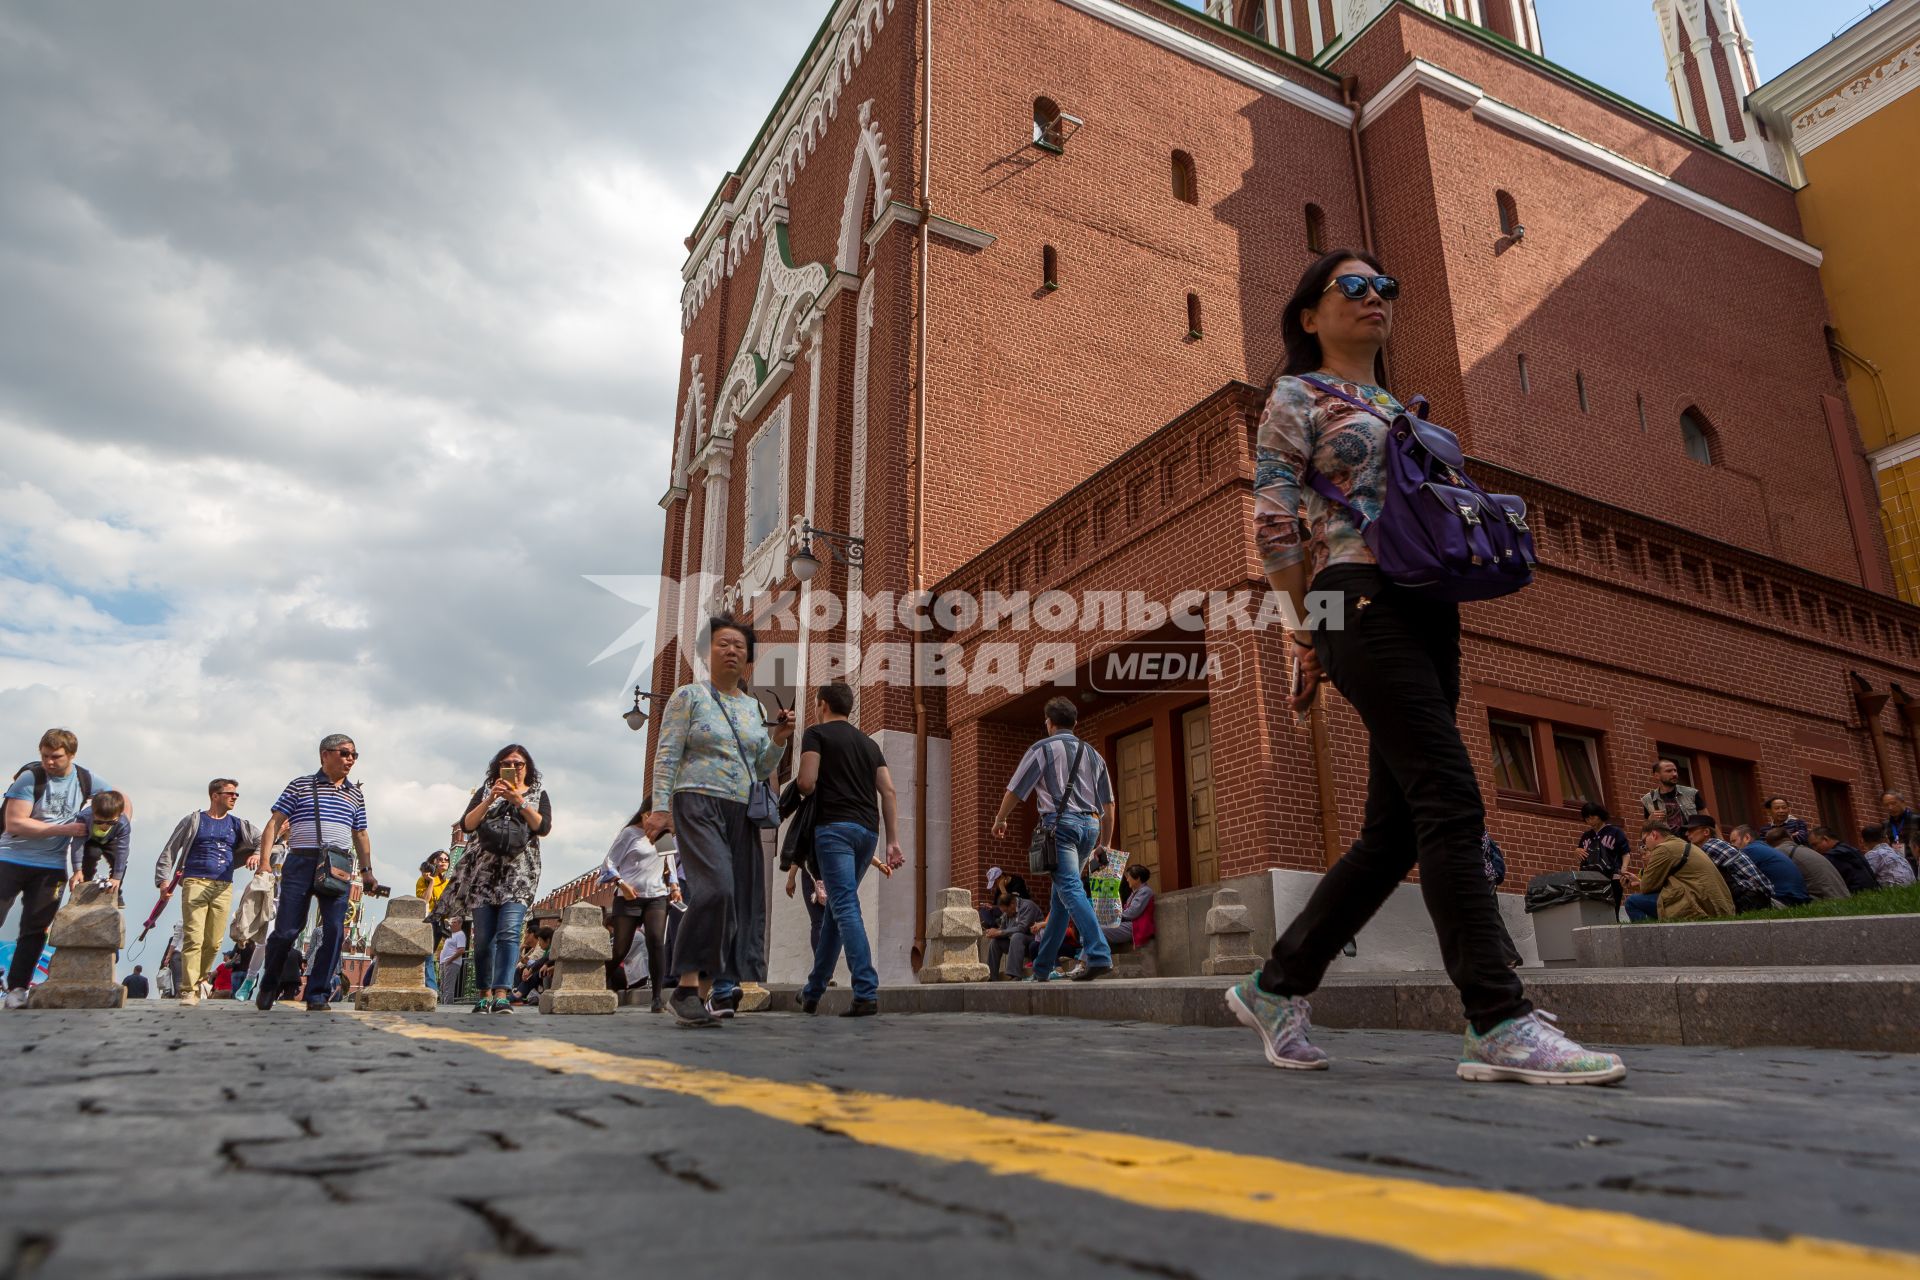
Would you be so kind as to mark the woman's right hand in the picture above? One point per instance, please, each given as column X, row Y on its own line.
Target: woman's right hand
column 655, row 824
column 793, row 879
column 1307, row 671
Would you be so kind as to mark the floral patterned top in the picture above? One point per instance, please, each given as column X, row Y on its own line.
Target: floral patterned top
column 492, row 879
column 697, row 749
column 1346, row 445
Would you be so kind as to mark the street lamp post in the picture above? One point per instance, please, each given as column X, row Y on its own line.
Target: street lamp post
column 637, row 717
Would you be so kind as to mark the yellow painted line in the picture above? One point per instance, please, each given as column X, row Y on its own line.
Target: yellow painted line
column 1451, row 1226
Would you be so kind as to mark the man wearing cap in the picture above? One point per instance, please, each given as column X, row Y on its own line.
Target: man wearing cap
column 1676, row 882
column 1752, row 890
column 1789, row 886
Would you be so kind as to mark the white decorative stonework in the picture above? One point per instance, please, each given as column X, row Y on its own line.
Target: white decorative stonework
column 869, row 185
column 693, row 423
column 763, row 560
column 1858, row 98
column 772, row 169
column 781, row 302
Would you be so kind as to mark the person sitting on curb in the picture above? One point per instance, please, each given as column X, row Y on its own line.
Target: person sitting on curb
column 1135, row 927
column 1009, row 942
column 1889, row 868
column 1822, row 880
column 1779, row 814
column 1789, row 886
column 1846, row 859
column 1677, row 881
column 1751, row 890
column 1669, row 800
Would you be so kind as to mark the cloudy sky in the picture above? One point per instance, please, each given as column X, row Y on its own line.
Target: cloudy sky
column 338, row 346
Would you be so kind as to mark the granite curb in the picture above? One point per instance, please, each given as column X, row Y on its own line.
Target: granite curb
column 1863, row 1008
column 1866, row 941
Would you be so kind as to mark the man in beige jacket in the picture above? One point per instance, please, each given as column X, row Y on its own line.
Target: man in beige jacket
column 1677, row 880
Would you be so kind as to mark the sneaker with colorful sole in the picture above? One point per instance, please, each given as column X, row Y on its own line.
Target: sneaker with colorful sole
column 1282, row 1021
column 1532, row 1050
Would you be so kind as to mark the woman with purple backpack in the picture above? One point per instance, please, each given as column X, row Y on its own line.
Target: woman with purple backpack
column 1344, row 489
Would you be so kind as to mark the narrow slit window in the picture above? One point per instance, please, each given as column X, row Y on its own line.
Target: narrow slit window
column 1316, row 229
column 1509, row 210
column 1193, row 315
column 1525, row 386
column 1046, row 123
column 1580, row 386
column 1186, row 181
column 1049, row 268
column 1640, row 406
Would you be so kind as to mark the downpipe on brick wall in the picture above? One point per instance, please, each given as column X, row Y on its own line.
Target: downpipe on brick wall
column 920, row 490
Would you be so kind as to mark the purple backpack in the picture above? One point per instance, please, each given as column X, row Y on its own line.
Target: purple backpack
column 1438, row 533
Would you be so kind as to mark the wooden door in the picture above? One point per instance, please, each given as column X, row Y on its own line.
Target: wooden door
column 1203, row 846
column 1138, row 822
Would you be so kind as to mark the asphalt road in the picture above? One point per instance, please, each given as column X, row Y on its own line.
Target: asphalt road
column 214, row 1142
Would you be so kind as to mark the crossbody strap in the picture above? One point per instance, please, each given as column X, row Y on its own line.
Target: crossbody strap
column 319, row 835
column 1319, row 483
column 752, row 774
column 1061, row 797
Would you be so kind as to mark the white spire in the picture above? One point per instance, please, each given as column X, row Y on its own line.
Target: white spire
column 1710, row 70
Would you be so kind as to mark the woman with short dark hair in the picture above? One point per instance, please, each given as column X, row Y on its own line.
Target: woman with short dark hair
column 715, row 746
column 496, row 882
column 1394, row 654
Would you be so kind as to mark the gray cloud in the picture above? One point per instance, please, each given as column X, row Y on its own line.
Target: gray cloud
column 342, row 342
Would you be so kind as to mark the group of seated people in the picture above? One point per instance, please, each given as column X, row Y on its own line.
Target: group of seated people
column 1689, row 873
column 1013, row 922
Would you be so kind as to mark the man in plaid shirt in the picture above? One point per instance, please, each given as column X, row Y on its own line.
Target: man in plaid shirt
column 1752, row 891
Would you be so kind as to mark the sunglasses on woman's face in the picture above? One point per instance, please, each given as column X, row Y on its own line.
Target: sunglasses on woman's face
column 1355, row 287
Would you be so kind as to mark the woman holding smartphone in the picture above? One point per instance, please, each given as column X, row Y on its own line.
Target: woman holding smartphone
column 496, row 881
column 715, row 745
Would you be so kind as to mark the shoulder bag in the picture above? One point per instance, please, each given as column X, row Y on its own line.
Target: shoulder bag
column 1438, row 533
column 334, row 874
column 1043, row 850
column 763, row 807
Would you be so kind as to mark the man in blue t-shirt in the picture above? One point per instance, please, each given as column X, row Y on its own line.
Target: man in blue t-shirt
column 43, row 806
column 204, row 848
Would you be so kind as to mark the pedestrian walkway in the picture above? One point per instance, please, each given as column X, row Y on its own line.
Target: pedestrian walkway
column 1460, row 1226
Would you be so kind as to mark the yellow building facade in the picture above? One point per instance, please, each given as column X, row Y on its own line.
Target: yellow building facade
column 1848, row 120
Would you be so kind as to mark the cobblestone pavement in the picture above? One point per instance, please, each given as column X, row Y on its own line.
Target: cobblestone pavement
column 213, row 1142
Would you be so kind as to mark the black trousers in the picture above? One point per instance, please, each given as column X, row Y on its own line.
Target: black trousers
column 38, row 889
column 1397, row 660
column 652, row 916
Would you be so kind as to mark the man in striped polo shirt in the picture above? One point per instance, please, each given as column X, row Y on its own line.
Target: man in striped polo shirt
column 316, row 811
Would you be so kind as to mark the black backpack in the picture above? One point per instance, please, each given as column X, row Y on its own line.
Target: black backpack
column 39, row 772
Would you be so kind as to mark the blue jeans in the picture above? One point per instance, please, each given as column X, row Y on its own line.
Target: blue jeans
column 844, row 851
column 1075, row 834
column 496, row 943
column 433, row 973
column 1643, row 906
column 296, row 890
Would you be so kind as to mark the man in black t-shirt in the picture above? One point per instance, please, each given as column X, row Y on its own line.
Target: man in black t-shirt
column 844, row 771
column 136, row 984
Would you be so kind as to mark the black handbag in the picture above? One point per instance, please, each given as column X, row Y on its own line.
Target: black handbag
column 333, row 877
column 503, row 832
column 1043, row 850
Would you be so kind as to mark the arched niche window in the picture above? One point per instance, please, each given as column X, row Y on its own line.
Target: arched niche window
column 1049, row 267
column 1046, row 124
column 1186, row 181
column 1193, row 315
column 1253, row 18
column 1509, row 210
column 1316, row 229
column 1696, row 434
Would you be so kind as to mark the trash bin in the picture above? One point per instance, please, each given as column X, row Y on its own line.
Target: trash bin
column 1562, row 901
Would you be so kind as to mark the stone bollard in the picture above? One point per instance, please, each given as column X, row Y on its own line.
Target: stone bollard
column 581, row 949
column 85, row 935
column 953, row 941
column 754, row 998
column 1229, row 936
column 401, row 946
